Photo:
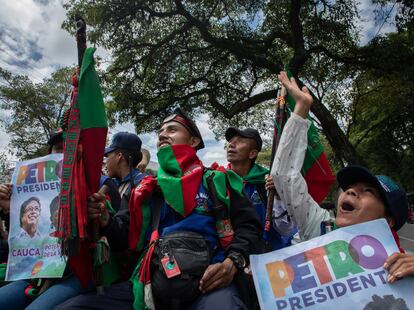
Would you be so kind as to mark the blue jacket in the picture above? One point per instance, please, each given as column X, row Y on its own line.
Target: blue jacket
column 273, row 239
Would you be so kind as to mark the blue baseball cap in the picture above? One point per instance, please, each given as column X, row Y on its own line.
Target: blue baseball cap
column 393, row 195
column 125, row 141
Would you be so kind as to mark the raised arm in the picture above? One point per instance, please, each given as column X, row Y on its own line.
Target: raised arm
column 288, row 162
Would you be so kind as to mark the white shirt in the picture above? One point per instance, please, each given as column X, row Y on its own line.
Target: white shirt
column 23, row 235
column 289, row 182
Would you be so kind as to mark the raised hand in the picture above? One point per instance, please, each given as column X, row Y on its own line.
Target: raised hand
column 302, row 96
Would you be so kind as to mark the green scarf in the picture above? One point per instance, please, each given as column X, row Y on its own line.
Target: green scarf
column 256, row 175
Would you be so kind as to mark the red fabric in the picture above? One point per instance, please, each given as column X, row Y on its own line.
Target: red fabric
column 80, row 193
column 70, row 151
column 319, row 178
column 84, row 181
column 397, row 239
column 145, row 273
column 181, row 120
column 81, row 263
column 138, row 196
column 192, row 173
column 93, row 143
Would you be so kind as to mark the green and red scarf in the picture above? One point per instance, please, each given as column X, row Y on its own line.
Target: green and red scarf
column 140, row 212
column 179, row 177
column 256, row 174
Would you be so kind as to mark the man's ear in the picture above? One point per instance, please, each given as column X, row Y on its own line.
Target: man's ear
column 194, row 141
column 253, row 154
column 119, row 157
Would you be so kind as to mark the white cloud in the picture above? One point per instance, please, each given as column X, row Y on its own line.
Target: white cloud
column 369, row 26
column 211, row 156
column 4, row 139
column 23, row 14
column 202, row 122
column 28, row 25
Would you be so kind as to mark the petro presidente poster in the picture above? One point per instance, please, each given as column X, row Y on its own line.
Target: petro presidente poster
column 340, row 270
column 33, row 251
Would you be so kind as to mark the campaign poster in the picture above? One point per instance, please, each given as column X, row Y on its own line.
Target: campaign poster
column 33, row 251
column 340, row 270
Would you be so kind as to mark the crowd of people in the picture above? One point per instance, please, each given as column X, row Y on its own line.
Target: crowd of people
column 185, row 236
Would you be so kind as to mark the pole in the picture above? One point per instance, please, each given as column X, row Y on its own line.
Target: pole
column 280, row 111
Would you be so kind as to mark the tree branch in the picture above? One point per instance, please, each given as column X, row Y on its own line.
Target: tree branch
column 239, row 50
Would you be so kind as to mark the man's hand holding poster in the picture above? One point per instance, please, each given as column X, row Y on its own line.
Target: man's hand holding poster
column 339, row 270
column 33, row 251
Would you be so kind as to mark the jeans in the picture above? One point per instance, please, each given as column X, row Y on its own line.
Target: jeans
column 120, row 297
column 12, row 296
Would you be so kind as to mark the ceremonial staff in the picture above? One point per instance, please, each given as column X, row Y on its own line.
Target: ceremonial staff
column 84, row 144
column 80, row 37
column 316, row 169
column 94, row 227
column 278, row 123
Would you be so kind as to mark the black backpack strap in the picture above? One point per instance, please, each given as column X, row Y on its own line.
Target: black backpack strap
column 158, row 201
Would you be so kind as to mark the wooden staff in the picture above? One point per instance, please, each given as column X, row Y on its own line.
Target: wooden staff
column 280, row 110
column 94, row 226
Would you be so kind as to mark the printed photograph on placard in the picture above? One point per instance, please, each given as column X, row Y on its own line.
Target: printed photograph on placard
column 34, row 252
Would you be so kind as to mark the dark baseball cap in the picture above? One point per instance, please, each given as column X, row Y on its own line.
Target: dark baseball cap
column 125, row 141
column 181, row 117
column 55, row 138
column 393, row 195
column 246, row 133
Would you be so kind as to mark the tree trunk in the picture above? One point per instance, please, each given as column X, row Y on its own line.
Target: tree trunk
column 340, row 144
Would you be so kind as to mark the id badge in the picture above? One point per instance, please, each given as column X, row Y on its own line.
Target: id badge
column 171, row 269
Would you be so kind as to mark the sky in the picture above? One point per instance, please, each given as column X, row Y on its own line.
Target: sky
column 33, row 43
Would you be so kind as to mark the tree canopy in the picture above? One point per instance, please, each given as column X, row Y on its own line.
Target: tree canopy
column 382, row 126
column 35, row 109
column 218, row 56
column 222, row 57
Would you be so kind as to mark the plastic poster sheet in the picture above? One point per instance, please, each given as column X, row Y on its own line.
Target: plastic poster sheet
column 340, row 270
column 33, row 251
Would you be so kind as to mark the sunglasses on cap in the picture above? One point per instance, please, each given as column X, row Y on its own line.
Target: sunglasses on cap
column 177, row 118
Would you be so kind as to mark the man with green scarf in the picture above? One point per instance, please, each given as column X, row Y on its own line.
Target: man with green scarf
column 242, row 150
column 186, row 206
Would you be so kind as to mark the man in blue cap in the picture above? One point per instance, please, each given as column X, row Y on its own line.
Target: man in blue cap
column 122, row 156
